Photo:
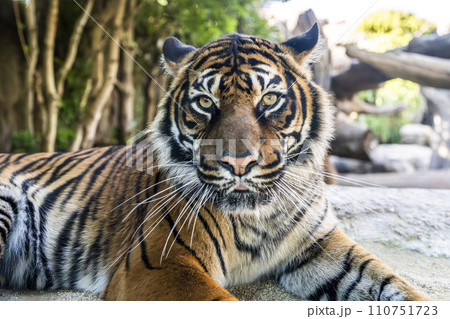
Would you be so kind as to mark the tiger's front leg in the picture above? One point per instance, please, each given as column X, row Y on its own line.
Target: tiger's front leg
column 336, row 268
column 181, row 278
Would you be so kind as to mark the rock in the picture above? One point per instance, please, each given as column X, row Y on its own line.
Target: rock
column 429, row 179
column 410, row 219
column 416, row 134
column 439, row 117
column 345, row 165
column 401, row 158
column 408, row 229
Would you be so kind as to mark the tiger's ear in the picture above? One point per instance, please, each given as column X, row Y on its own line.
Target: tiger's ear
column 302, row 45
column 174, row 51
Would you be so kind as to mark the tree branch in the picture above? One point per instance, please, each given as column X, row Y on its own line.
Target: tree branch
column 100, row 100
column 19, row 25
column 422, row 69
column 33, row 54
column 49, row 48
column 356, row 105
column 73, row 46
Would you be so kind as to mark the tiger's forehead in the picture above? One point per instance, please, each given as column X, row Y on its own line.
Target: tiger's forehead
column 236, row 63
column 250, row 79
column 235, row 51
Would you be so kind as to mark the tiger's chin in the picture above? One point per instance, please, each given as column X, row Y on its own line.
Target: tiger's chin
column 243, row 202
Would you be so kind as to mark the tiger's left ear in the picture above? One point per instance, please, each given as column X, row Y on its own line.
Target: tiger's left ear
column 302, row 45
column 174, row 52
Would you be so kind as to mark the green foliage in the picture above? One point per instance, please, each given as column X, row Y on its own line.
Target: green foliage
column 386, row 30
column 201, row 21
column 23, row 142
column 63, row 138
column 390, row 29
column 394, row 91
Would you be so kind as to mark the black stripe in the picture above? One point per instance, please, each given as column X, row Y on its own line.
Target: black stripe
column 90, row 209
column 5, row 162
column 144, row 256
column 315, row 120
column 106, row 158
column 11, row 203
column 48, row 203
column 99, row 170
column 324, row 214
column 31, row 165
column 18, row 158
column 215, row 242
column 181, row 242
column 64, row 167
column 255, row 251
column 254, row 229
column 94, row 253
column 139, row 221
column 355, row 282
column 300, row 260
column 4, row 218
column 26, row 234
column 116, row 218
column 33, row 234
column 27, row 182
column 217, row 226
column 385, row 282
column 62, row 242
column 330, row 287
column 5, row 158
column 3, row 233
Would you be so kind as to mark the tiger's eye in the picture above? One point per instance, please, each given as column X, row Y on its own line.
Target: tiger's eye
column 205, row 102
column 269, row 99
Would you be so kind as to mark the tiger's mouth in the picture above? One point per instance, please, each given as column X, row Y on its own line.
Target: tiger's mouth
column 238, row 200
column 241, row 196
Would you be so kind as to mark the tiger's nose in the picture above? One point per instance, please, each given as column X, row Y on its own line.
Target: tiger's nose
column 238, row 165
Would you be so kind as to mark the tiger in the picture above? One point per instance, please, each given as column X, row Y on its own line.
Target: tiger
column 225, row 187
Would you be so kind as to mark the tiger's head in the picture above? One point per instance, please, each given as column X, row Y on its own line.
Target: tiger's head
column 239, row 113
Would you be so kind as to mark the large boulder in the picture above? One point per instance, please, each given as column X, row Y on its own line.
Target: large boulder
column 401, row 158
column 416, row 134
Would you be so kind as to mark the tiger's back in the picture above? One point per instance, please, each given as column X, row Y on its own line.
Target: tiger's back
column 62, row 204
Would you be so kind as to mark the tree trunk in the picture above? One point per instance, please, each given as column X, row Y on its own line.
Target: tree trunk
column 72, row 50
column 126, row 80
column 349, row 106
column 50, row 93
column 113, row 49
column 31, row 53
column 353, row 140
column 96, row 83
column 422, row 69
column 359, row 76
column 153, row 95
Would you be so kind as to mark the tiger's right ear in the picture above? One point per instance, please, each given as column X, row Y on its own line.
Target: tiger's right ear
column 174, row 52
column 304, row 44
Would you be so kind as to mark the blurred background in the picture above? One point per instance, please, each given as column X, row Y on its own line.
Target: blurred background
column 81, row 73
